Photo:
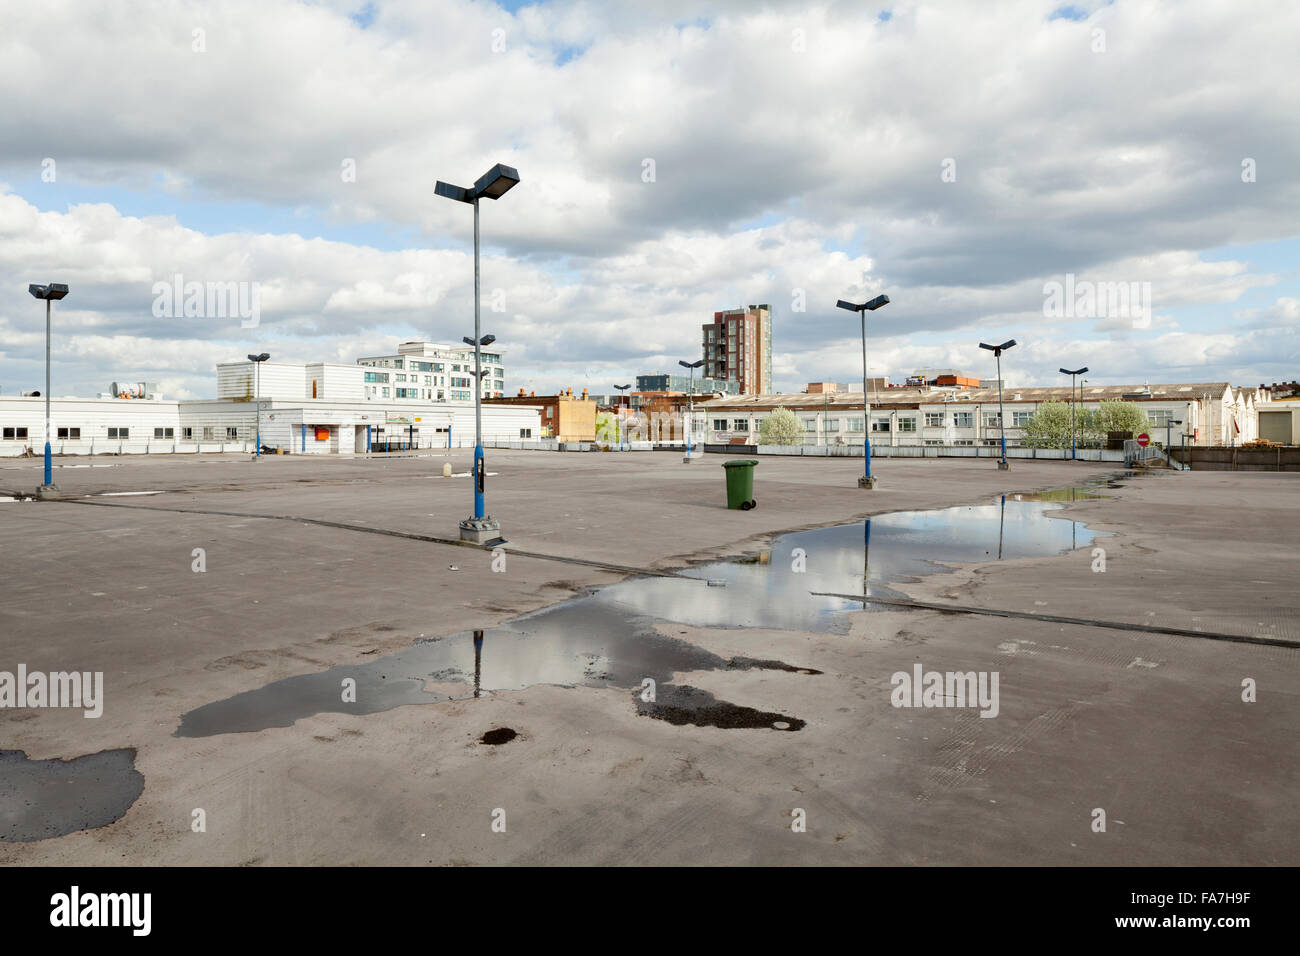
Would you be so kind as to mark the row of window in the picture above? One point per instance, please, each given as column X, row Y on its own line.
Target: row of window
column 906, row 423
column 72, row 433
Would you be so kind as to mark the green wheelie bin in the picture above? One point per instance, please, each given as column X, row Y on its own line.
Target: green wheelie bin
column 740, row 484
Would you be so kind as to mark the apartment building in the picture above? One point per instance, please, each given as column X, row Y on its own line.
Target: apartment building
column 432, row 372
column 737, row 347
column 564, row 416
column 667, row 382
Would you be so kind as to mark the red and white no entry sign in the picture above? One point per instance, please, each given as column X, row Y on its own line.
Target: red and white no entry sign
column 1144, row 439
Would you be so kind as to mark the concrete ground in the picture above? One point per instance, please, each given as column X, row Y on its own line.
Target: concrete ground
column 1151, row 729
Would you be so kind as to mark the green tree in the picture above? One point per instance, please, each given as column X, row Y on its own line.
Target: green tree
column 782, row 427
column 1118, row 416
column 1050, row 427
column 607, row 427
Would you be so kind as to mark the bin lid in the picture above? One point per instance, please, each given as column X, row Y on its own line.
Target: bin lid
column 739, row 463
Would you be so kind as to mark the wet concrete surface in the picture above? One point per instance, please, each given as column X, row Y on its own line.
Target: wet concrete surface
column 618, row 636
column 40, row 799
column 690, row 705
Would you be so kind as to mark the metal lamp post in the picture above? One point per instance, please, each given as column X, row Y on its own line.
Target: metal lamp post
column 493, row 184
column 690, row 403
column 257, row 361
column 1072, row 374
column 866, row 481
column 51, row 292
column 997, row 350
column 622, row 431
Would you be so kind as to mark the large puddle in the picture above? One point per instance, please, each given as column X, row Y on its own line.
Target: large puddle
column 622, row 635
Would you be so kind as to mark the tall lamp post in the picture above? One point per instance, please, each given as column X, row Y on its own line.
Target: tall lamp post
column 1072, row 374
column 622, row 430
column 257, row 361
column 997, row 350
column 493, row 184
column 866, row 481
column 51, row 292
column 690, row 403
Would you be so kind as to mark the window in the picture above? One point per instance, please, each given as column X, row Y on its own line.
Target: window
column 207, row 432
column 525, row 433
column 232, row 431
column 964, row 420
column 400, row 378
column 810, row 424
column 880, row 424
column 187, row 434
column 739, row 425
column 934, row 441
column 855, row 424
column 13, row 434
column 422, row 366
column 995, row 442
column 119, row 433
column 992, row 419
column 408, row 393
column 832, row 424
column 1160, row 416
column 459, row 382
column 963, row 441
column 437, row 367
column 719, row 424
column 428, row 380
column 1020, row 419
column 460, row 396
column 934, row 419
column 69, row 433
column 397, row 363
column 907, row 424
column 376, row 376
column 163, row 433
column 385, row 391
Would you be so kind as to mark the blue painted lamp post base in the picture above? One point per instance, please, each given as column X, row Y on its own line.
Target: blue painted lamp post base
column 482, row 528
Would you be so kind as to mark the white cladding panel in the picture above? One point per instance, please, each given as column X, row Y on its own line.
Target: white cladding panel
column 237, row 379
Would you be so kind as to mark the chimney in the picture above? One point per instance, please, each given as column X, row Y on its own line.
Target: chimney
column 521, row 393
column 532, row 394
column 584, row 394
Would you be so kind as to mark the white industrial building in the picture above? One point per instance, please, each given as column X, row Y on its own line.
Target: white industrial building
column 1211, row 413
column 314, row 408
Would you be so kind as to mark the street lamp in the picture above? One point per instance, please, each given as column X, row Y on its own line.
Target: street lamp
column 622, row 431
column 257, row 361
column 493, row 184
column 1072, row 374
column 49, row 293
column 1169, row 424
column 866, row 481
column 690, row 403
column 997, row 351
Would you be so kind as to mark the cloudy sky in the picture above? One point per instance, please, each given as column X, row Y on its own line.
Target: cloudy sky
column 676, row 158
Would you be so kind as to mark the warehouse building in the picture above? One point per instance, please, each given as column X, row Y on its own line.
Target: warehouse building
column 315, row 408
column 1210, row 413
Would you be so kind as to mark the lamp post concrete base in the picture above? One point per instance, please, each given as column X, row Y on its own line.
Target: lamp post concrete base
column 1004, row 466
column 480, row 530
column 48, row 491
column 867, row 481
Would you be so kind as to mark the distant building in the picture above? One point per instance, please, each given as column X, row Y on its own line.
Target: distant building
column 1209, row 413
column 301, row 408
column 945, row 376
column 433, row 373
column 666, row 382
column 564, row 416
column 737, row 347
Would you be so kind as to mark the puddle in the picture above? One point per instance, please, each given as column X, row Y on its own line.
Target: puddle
column 498, row 736
column 690, row 705
column 625, row 633
column 37, row 803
